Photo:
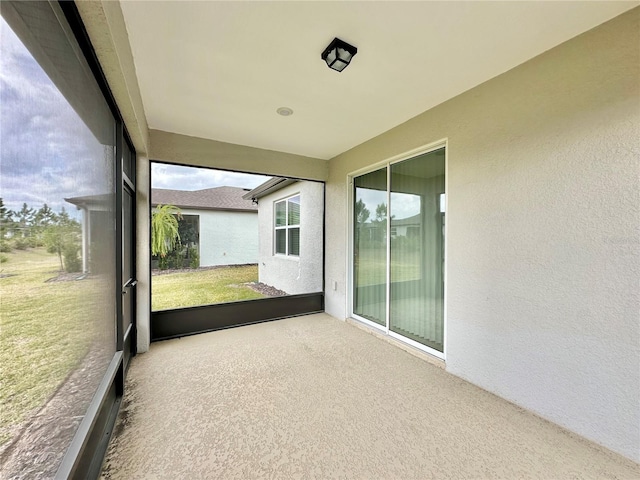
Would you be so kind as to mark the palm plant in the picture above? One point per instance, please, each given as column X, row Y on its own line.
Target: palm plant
column 164, row 229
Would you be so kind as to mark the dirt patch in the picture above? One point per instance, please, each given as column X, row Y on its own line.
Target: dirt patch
column 68, row 277
column 265, row 289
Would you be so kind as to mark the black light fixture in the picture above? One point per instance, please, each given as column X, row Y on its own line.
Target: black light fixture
column 338, row 54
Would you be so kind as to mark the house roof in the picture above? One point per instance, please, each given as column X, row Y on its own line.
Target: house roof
column 272, row 185
column 218, row 198
column 89, row 201
column 401, row 222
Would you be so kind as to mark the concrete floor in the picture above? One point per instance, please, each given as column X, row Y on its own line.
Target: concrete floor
column 313, row 397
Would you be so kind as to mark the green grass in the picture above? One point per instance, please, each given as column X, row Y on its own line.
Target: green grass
column 45, row 331
column 203, row 287
column 372, row 267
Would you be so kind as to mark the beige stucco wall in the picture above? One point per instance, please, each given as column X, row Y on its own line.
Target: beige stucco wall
column 294, row 275
column 143, row 257
column 543, row 248
column 107, row 31
column 200, row 152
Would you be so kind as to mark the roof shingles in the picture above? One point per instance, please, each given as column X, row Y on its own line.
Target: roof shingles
column 218, row 198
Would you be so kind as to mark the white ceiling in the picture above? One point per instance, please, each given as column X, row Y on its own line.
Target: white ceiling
column 220, row 70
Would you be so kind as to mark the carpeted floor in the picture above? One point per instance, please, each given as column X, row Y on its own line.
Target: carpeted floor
column 313, row 397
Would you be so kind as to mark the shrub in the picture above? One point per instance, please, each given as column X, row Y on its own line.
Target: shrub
column 163, row 263
column 176, row 258
column 5, row 247
column 194, row 258
column 20, row 244
column 32, row 242
column 72, row 262
column 4, row 259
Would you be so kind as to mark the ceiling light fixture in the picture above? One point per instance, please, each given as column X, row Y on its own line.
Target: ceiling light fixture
column 284, row 111
column 338, row 54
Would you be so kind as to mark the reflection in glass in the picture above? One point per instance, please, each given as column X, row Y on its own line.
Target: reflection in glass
column 281, row 214
column 281, row 242
column 294, row 241
column 370, row 246
column 57, row 315
column 417, row 248
column 293, row 206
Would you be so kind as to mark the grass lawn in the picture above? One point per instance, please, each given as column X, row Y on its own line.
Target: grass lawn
column 46, row 329
column 372, row 267
column 203, row 287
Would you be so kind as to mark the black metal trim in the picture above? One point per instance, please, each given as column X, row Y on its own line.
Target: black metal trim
column 180, row 322
column 89, row 427
column 119, row 237
column 84, row 457
column 73, row 18
column 324, row 236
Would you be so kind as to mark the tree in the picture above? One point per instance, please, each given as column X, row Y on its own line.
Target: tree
column 45, row 216
column 25, row 217
column 362, row 212
column 6, row 220
column 164, row 229
column 42, row 219
column 381, row 213
column 380, row 223
column 63, row 239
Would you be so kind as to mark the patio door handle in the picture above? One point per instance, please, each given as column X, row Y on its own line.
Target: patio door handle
column 130, row 284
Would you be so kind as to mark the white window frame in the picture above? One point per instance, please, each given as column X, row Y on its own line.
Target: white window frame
column 285, row 227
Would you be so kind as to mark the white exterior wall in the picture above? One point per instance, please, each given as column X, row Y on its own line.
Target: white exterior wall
column 301, row 274
column 543, row 246
column 227, row 237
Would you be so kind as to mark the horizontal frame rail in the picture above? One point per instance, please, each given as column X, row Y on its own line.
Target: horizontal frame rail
column 179, row 322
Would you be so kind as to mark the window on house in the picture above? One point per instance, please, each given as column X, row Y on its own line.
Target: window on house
column 287, row 227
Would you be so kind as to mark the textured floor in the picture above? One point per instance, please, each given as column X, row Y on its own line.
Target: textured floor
column 313, row 397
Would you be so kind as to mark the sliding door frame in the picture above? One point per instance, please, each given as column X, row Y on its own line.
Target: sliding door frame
column 387, row 163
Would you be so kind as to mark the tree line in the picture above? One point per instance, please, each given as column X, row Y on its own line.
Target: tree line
column 31, row 228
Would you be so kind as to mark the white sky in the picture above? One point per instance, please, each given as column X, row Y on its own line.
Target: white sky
column 403, row 205
column 177, row 177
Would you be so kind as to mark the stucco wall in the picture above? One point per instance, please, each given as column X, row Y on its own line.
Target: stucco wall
column 227, row 238
column 543, row 249
column 301, row 274
column 200, row 152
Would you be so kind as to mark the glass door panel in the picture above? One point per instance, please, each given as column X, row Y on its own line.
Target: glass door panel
column 416, row 293
column 370, row 247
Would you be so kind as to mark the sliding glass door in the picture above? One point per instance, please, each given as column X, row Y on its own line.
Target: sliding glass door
column 370, row 246
column 398, row 248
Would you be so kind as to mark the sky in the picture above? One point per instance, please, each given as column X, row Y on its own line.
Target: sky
column 177, row 177
column 47, row 153
column 403, row 205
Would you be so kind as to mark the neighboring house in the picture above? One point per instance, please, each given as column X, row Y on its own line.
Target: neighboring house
column 225, row 222
column 406, row 227
column 97, row 210
column 290, row 217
